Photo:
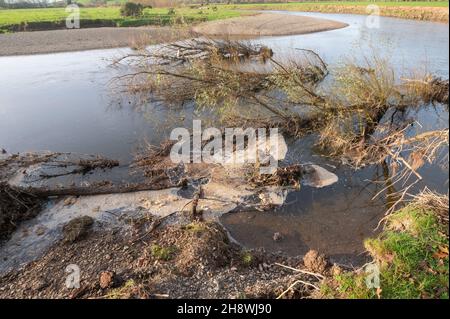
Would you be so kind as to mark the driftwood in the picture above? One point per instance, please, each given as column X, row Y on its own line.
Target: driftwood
column 66, row 175
column 284, row 176
column 15, row 206
column 196, row 214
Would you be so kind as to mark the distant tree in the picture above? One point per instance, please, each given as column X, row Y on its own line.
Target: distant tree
column 130, row 9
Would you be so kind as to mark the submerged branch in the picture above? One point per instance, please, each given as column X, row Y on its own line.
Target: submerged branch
column 247, row 86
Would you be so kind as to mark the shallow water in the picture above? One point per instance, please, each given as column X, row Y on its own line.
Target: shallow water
column 63, row 102
column 408, row 44
column 66, row 102
column 336, row 219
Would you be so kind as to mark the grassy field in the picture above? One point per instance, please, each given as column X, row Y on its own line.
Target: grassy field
column 54, row 18
column 357, row 3
column 417, row 10
column 438, row 3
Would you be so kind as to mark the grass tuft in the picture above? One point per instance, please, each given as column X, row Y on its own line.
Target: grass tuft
column 247, row 258
column 412, row 255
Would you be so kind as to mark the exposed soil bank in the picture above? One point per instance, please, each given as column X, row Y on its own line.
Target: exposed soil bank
column 192, row 261
column 167, row 193
column 101, row 38
column 140, row 245
column 267, row 25
column 86, row 39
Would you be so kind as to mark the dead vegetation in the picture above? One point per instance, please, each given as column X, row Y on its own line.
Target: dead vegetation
column 15, row 207
column 218, row 74
column 284, row 176
column 195, row 260
column 431, row 89
column 81, row 166
column 153, row 155
column 101, row 163
column 432, row 201
column 358, row 111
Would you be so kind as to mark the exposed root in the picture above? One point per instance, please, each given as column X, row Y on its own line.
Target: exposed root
column 15, row 207
column 153, row 155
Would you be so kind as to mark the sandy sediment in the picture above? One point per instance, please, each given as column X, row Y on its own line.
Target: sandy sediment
column 39, row 42
column 267, row 24
column 53, row 41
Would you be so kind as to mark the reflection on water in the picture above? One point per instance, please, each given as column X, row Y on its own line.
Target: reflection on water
column 336, row 219
column 409, row 44
column 62, row 102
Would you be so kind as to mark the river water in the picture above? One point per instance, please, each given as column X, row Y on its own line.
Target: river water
column 64, row 102
column 336, row 219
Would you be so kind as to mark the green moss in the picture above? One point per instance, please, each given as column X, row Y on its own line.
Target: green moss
column 412, row 255
column 196, row 228
column 122, row 292
column 162, row 253
column 247, row 258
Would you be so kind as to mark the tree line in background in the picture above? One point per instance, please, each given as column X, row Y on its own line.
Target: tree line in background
column 19, row 4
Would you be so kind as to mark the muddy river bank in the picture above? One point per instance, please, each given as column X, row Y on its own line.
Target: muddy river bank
column 70, row 107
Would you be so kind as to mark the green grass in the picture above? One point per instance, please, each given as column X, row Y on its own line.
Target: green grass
column 438, row 3
column 417, row 10
column 9, row 19
column 54, row 18
column 162, row 253
column 108, row 2
column 353, row 3
column 412, row 255
column 122, row 292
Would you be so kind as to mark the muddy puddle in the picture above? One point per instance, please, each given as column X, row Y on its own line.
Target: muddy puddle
column 63, row 103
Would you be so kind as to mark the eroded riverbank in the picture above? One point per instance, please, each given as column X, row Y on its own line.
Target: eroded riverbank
column 113, row 238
